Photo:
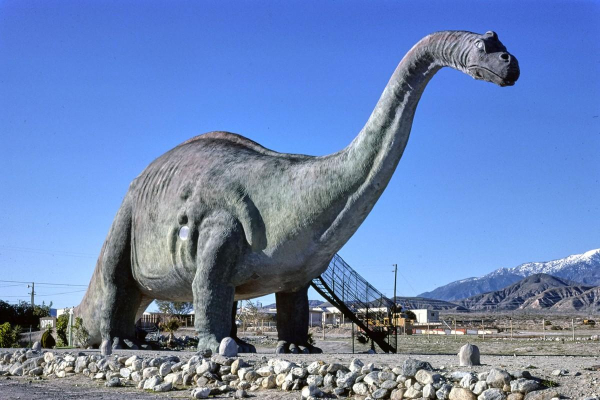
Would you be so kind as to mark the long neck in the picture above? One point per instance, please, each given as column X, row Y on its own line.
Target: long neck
column 368, row 163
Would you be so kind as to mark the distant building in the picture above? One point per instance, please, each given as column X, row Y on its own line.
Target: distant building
column 425, row 316
column 61, row 311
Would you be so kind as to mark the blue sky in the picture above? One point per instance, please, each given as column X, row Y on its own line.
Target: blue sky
column 91, row 92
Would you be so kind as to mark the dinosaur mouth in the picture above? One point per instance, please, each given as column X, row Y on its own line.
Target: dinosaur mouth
column 483, row 73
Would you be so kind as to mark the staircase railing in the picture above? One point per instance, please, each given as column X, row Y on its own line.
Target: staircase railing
column 359, row 301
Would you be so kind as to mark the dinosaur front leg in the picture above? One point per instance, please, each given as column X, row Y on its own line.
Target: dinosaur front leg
column 112, row 300
column 243, row 346
column 292, row 322
column 220, row 244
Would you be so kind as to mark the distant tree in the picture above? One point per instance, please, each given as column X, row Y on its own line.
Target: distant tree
column 62, row 323
column 23, row 314
column 252, row 314
column 81, row 334
column 410, row 315
column 9, row 336
column 175, row 307
column 249, row 313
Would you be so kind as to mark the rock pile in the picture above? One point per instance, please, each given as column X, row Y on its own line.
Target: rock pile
column 217, row 375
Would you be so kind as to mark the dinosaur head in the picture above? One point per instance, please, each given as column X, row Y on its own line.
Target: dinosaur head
column 488, row 60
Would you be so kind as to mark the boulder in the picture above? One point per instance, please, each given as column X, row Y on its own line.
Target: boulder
column 461, row 394
column 468, row 355
column 150, row 383
column 547, row 394
column 497, row 378
column 163, row 387
column 314, row 380
column 524, row 386
column 310, row 391
column 492, row 394
column 360, row 389
column 443, row 392
column 411, row 366
column 380, row 393
column 270, row 382
column 425, row 377
column 397, row 394
column 429, row 391
column 356, row 365
column 228, row 347
column 113, row 382
column 200, row 393
column 467, row 381
column 480, row 387
column 412, row 393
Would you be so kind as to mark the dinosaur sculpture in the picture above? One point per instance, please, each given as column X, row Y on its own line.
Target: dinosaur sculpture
column 220, row 218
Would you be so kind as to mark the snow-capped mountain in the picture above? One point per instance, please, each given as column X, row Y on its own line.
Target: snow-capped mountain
column 582, row 268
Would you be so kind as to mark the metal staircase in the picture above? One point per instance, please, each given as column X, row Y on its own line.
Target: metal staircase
column 359, row 301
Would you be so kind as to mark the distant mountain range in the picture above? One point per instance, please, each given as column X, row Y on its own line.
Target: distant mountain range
column 581, row 269
column 541, row 290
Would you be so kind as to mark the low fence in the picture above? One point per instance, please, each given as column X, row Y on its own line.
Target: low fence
column 151, row 320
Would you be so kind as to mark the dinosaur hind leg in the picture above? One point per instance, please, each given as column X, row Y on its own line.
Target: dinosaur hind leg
column 292, row 322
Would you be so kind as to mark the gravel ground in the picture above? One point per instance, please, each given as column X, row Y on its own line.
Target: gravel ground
column 582, row 380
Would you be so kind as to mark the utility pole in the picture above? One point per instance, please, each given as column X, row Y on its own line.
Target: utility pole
column 455, row 328
column 543, row 329
column 394, row 309
column 32, row 292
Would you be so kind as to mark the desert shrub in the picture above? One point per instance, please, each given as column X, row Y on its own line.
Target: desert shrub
column 80, row 333
column 9, row 336
column 171, row 327
column 555, row 328
column 62, row 324
column 548, row 383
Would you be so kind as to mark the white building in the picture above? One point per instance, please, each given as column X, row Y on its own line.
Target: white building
column 425, row 316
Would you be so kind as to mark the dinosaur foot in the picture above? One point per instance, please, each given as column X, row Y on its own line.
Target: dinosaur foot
column 208, row 342
column 243, row 346
column 284, row 347
column 130, row 343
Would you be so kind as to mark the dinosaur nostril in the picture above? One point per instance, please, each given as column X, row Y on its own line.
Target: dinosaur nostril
column 505, row 56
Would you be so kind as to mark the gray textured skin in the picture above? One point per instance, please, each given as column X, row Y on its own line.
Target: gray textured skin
column 259, row 221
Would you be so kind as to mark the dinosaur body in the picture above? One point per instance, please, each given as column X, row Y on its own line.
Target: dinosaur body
column 180, row 189
column 220, row 218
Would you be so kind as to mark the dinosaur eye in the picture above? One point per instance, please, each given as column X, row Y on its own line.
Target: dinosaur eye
column 184, row 233
column 479, row 44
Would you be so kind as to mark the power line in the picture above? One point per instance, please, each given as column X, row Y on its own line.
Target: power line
column 45, row 283
column 51, row 294
column 56, row 294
